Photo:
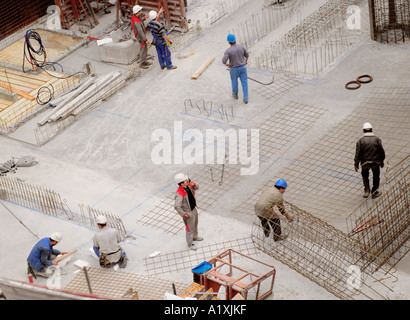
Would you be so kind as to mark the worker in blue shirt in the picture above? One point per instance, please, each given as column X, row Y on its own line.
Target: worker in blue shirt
column 42, row 254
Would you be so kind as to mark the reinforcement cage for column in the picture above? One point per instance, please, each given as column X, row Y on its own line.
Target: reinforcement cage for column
column 384, row 225
column 322, row 253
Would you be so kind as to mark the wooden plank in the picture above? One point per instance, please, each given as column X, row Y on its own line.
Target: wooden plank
column 206, row 64
column 19, row 84
column 20, row 79
column 41, row 76
column 18, row 91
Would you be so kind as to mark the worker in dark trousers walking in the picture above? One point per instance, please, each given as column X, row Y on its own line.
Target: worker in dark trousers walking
column 160, row 40
column 370, row 154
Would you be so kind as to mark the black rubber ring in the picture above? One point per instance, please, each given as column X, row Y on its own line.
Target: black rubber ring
column 357, row 83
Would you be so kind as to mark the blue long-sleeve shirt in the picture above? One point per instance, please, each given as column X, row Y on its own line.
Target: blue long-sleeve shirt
column 39, row 256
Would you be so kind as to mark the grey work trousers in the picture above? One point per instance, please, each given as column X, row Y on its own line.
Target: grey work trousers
column 191, row 227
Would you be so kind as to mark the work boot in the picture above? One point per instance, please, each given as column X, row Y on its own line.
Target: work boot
column 163, row 67
column 245, row 100
column 235, row 95
column 144, row 66
column 366, row 194
column 198, row 239
column 376, row 194
column 172, row 68
column 123, row 261
column 192, row 247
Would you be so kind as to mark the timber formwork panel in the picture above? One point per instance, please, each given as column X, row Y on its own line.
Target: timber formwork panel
column 13, row 113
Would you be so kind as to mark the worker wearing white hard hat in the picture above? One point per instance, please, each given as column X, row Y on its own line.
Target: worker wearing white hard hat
column 370, row 155
column 107, row 245
column 43, row 255
column 185, row 205
column 161, row 40
column 140, row 33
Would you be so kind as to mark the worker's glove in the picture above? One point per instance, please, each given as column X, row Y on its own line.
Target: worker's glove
column 185, row 217
column 356, row 168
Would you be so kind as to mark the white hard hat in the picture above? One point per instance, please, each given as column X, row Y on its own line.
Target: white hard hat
column 101, row 220
column 152, row 14
column 56, row 236
column 367, row 126
column 136, row 9
column 180, row 177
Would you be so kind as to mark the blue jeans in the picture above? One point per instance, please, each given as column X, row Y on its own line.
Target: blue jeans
column 164, row 55
column 242, row 74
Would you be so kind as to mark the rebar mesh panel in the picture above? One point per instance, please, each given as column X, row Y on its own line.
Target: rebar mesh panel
column 281, row 85
column 187, row 259
column 322, row 180
column 296, row 117
column 213, row 181
column 120, row 285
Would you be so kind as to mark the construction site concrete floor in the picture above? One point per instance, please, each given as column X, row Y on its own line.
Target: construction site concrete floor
column 104, row 159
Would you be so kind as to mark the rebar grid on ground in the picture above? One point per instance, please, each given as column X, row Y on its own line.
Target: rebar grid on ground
column 390, row 21
column 188, row 259
column 296, row 117
column 321, row 253
column 213, row 181
column 322, row 179
column 281, row 85
column 123, row 285
column 384, row 226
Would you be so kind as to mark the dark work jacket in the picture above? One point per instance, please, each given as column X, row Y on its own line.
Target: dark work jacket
column 369, row 148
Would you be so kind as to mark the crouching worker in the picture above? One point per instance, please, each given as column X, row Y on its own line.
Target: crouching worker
column 107, row 245
column 42, row 255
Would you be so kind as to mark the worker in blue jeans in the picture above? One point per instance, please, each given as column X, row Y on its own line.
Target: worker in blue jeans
column 238, row 59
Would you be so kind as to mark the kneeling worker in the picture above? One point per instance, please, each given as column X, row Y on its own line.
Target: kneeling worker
column 107, row 245
column 43, row 254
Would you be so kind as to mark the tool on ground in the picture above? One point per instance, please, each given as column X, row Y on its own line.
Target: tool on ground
column 19, row 220
column 365, row 225
column 265, row 84
column 88, row 280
